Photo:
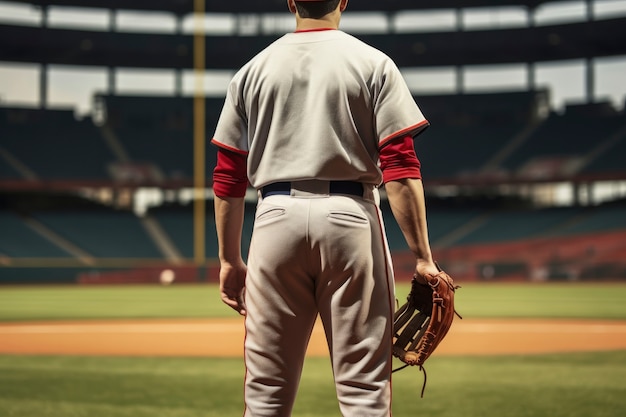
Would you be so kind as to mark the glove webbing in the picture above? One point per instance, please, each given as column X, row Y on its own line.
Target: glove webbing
column 409, row 334
column 412, row 333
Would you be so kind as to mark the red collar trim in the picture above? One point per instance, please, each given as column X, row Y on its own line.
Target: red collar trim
column 313, row 30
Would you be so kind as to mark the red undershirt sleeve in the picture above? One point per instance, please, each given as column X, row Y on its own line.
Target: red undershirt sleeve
column 398, row 160
column 229, row 176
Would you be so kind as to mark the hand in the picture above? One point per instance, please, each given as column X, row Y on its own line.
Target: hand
column 233, row 285
column 425, row 267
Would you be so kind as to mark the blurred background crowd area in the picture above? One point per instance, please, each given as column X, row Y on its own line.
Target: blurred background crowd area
column 102, row 103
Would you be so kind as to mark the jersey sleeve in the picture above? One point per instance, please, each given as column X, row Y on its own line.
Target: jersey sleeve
column 231, row 131
column 396, row 113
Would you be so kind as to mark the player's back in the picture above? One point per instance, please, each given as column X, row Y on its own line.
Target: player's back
column 319, row 87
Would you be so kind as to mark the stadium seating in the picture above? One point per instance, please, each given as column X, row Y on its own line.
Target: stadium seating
column 462, row 142
column 18, row 240
column 103, row 233
column 468, row 130
column 461, row 151
column 610, row 162
column 7, row 170
column 562, row 142
column 159, row 131
column 177, row 222
column 53, row 144
column 608, row 217
column 509, row 225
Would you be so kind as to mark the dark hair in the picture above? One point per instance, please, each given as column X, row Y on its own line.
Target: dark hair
column 316, row 9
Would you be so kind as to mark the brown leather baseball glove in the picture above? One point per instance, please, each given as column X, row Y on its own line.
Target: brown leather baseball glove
column 423, row 321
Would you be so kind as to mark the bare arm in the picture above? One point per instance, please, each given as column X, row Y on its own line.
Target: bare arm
column 406, row 197
column 229, row 212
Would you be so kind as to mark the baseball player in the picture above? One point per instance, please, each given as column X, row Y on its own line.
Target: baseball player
column 316, row 122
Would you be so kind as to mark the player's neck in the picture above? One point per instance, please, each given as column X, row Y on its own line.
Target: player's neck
column 328, row 22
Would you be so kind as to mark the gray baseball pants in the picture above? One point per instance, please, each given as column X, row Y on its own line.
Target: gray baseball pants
column 314, row 253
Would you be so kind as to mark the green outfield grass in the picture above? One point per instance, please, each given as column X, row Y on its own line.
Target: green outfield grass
column 567, row 385
column 111, row 302
column 603, row 301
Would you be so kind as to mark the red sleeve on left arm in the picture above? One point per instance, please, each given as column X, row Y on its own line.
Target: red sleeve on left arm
column 229, row 176
column 398, row 160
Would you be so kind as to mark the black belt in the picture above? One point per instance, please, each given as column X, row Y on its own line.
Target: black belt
column 334, row 187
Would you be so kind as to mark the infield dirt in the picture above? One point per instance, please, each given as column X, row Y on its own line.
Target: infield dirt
column 224, row 337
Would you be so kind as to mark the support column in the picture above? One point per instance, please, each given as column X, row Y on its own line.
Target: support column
column 459, row 69
column 111, row 81
column 589, row 80
column 43, row 86
column 589, row 10
column 460, row 79
column 111, row 76
column 530, row 76
column 178, row 82
column 178, row 72
column 43, row 70
column 391, row 27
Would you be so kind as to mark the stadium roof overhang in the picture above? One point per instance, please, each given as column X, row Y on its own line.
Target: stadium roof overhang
column 115, row 49
column 182, row 7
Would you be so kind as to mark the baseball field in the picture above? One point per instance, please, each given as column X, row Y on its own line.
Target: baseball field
column 175, row 351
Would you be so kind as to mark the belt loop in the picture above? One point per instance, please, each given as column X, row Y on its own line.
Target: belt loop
column 371, row 193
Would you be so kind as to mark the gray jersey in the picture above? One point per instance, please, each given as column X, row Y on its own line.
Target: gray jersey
column 302, row 109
